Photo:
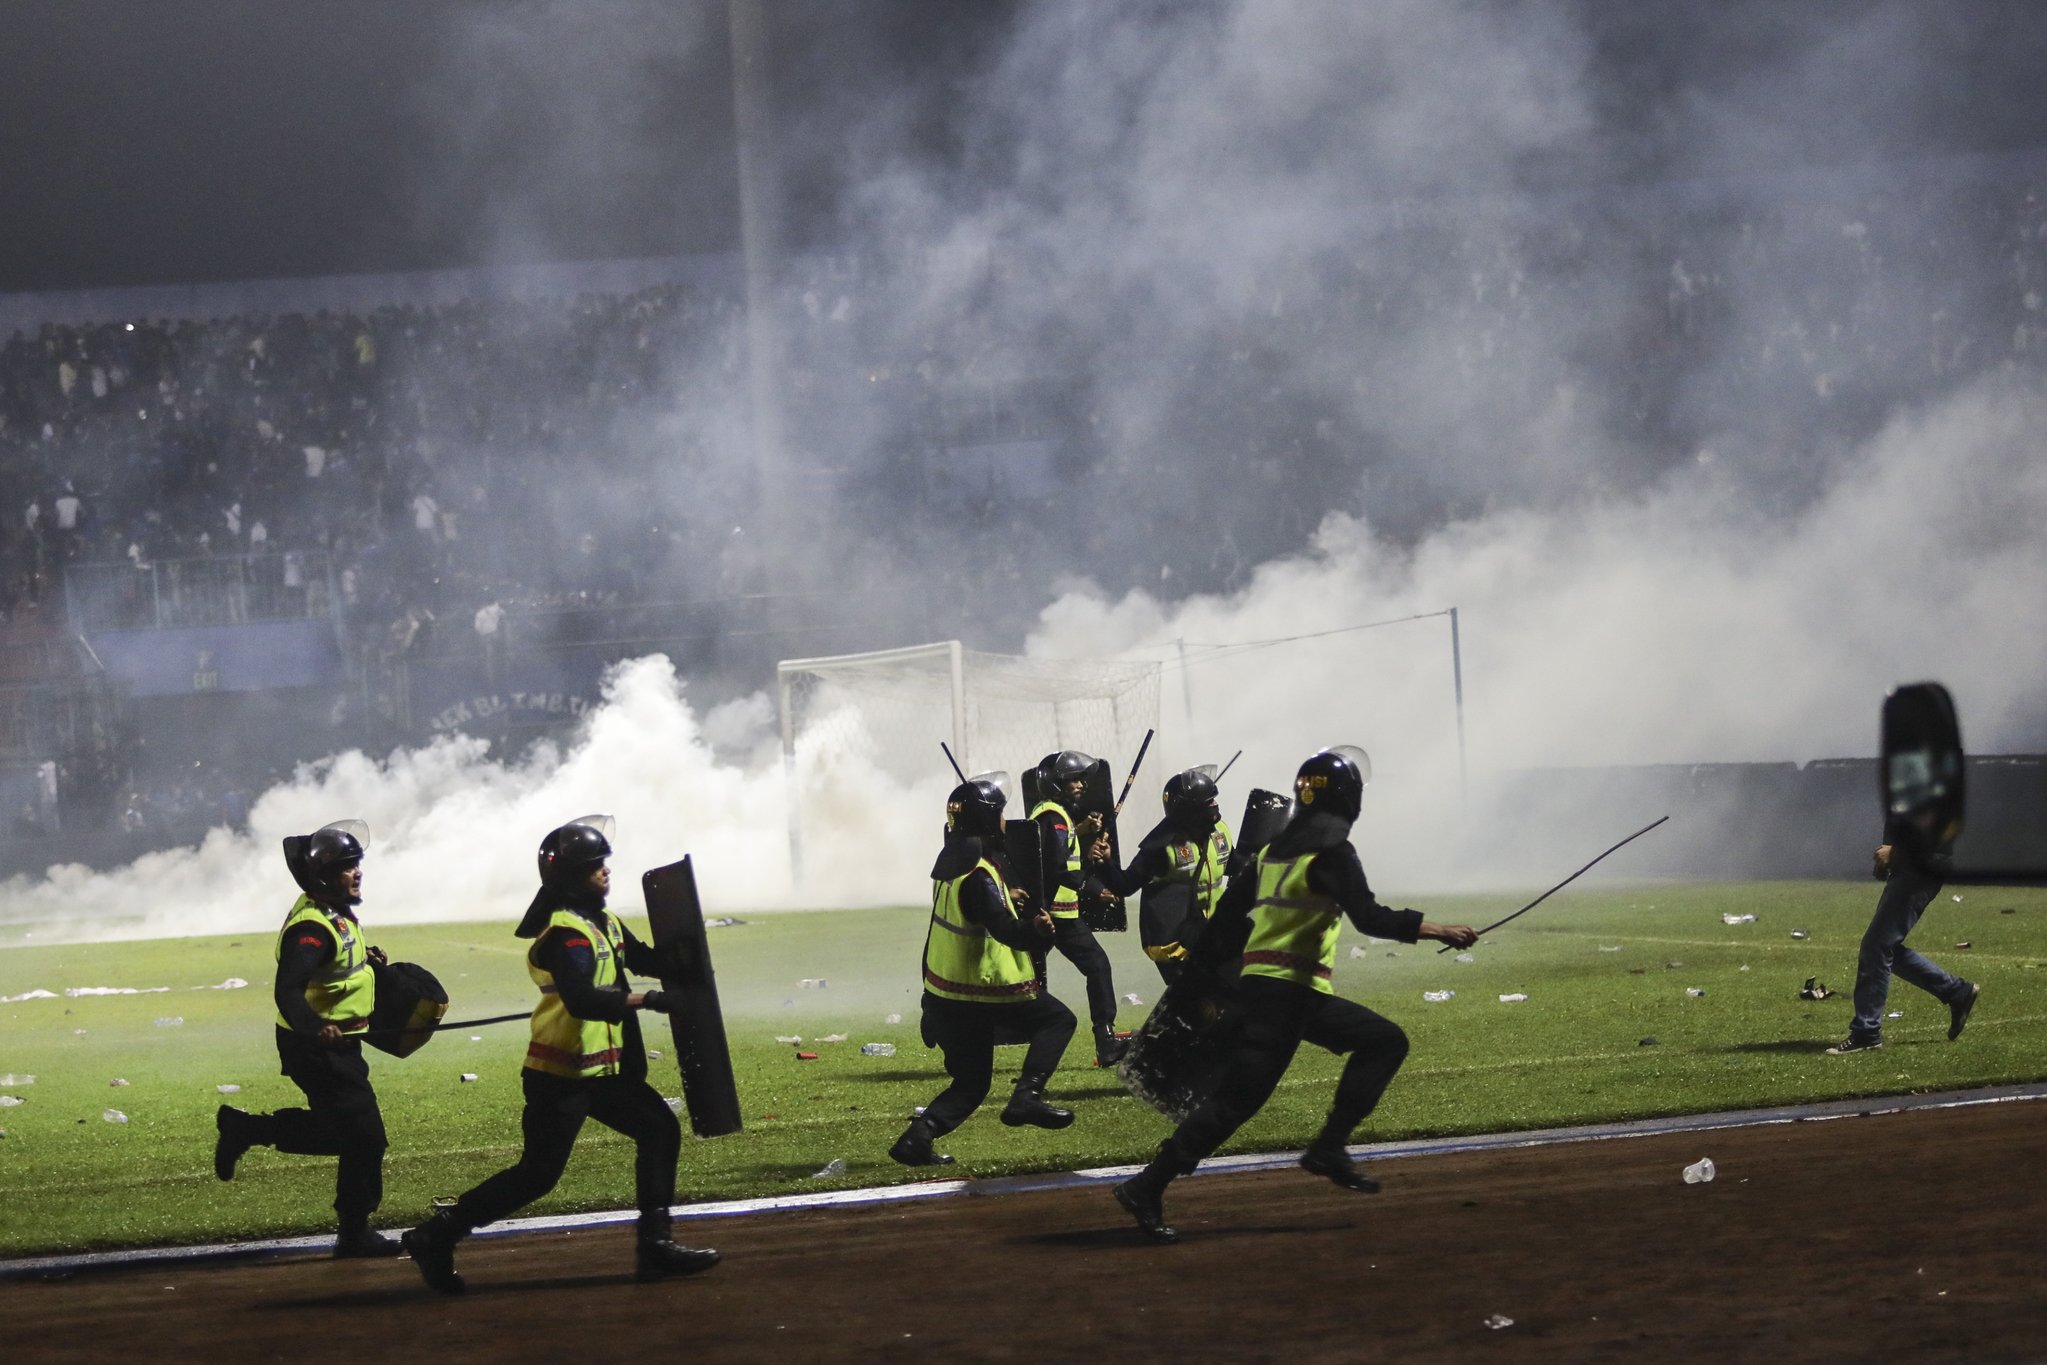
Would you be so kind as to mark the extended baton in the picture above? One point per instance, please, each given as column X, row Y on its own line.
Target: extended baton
column 441, row 1027
column 1560, row 885
column 955, row 762
column 1229, row 765
column 1139, row 763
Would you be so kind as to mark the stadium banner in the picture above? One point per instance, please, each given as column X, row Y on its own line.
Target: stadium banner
column 257, row 657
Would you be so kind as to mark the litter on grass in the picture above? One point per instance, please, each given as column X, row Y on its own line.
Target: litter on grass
column 468, row 1076
column 113, row 1116
column 806, row 1056
column 878, row 1049
column 1694, row 992
column 833, row 1038
column 1132, row 997
column 1357, row 952
column 1963, row 944
column 892, row 1019
column 1737, row 919
column 117, row 1081
column 1437, row 997
column 1800, row 933
column 27, row 995
column 1466, row 957
column 836, row 1166
column 812, row 983
column 652, row 1055
column 1510, row 999
column 1604, row 949
column 9, row 1101
column 1814, row 989
column 788, row 1038
column 228, row 1089
column 76, row 991
column 171, row 1021
column 11, row 1079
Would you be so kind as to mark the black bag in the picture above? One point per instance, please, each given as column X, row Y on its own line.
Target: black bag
column 409, row 1002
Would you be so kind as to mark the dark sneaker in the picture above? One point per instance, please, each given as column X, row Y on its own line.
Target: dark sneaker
column 366, row 1245
column 913, row 1148
column 1109, row 1049
column 431, row 1246
column 1147, row 1206
column 1334, row 1165
column 233, row 1140
column 1028, row 1107
column 1842, row 1049
column 664, row 1260
column 1958, row 1013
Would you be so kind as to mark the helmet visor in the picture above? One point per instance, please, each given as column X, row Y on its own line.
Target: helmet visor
column 1357, row 757
column 997, row 779
column 358, row 830
column 603, row 824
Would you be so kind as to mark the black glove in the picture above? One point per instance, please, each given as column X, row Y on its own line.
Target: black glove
column 657, row 1002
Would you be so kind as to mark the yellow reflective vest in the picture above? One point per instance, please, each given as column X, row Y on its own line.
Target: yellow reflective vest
column 342, row 992
column 1293, row 929
column 564, row 1045
column 1065, row 899
column 1200, row 863
column 962, row 961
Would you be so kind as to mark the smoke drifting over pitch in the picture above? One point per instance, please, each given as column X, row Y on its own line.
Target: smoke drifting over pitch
column 1366, row 219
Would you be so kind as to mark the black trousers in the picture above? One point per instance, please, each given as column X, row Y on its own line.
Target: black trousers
column 1278, row 1017
column 1076, row 943
column 964, row 1032
column 341, row 1119
column 555, row 1109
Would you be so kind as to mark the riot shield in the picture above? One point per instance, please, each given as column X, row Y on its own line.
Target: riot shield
column 1175, row 1059
column 1100, row 910
column 1027, row 854
column 1265, row 815
column 1033, row 788
column 698, row 1026
column 409, row 1002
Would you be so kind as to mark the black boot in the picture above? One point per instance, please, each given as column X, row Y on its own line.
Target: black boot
column 235, row 1138
column 913, row 1148
column 1143, row 1196
column 1109, row 1048
column 1331, row 1161
column 1027, row 1106
column 359, row 1242
column 665, row 1260
column 432, row 1248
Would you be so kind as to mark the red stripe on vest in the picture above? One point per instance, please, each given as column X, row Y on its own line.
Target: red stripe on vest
column 1021, row 988
column 1273, row 958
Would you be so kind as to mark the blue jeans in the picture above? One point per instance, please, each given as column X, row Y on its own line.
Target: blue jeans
column 1905, row 898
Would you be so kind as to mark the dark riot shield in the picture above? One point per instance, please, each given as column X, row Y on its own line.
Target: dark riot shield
column 409, row 1002
column 1033, row 789
column 1027, row 854
column 1176, row 1058
column 677, row 920
column 1265, row 815
column 1099, row 910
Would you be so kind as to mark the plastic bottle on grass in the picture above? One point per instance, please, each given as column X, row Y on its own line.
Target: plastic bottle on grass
column 878, row 1049
column 114, row 1116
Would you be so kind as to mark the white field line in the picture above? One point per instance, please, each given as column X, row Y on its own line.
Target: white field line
column 932, row 1189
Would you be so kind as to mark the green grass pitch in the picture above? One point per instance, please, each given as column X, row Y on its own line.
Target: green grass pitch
column 1602, row 969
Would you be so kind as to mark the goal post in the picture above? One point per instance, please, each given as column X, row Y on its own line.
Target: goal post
column 889, row 709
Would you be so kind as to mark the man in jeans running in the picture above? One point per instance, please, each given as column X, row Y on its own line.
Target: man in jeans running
column 1912, row 868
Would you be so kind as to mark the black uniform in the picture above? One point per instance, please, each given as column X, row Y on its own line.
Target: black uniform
column 341, row 1118
column 966, row 1032
column 1076, row 942
column 556, row 1106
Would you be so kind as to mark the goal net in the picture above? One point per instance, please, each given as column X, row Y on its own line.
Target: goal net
column 886, row 712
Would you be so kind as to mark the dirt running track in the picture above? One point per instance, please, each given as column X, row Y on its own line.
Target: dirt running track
column 1913, row 1236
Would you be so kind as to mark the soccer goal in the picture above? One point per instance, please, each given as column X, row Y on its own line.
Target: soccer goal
column 887, row 711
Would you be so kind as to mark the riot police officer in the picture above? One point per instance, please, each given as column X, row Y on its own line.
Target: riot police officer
column 1283, row 920
column 586, row 1060
column 325, row 989
column 1077, row 845
column 1179, row 870
column 979, row 979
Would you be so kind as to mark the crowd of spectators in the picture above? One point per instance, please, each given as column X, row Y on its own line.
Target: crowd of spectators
column 437, row 478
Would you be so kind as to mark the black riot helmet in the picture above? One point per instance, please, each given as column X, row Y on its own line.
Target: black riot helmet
column 975, row 806
column 1332, row 782
column 1069, row 765
column 1191, row 800
column 315, row 858
column 570, row 853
